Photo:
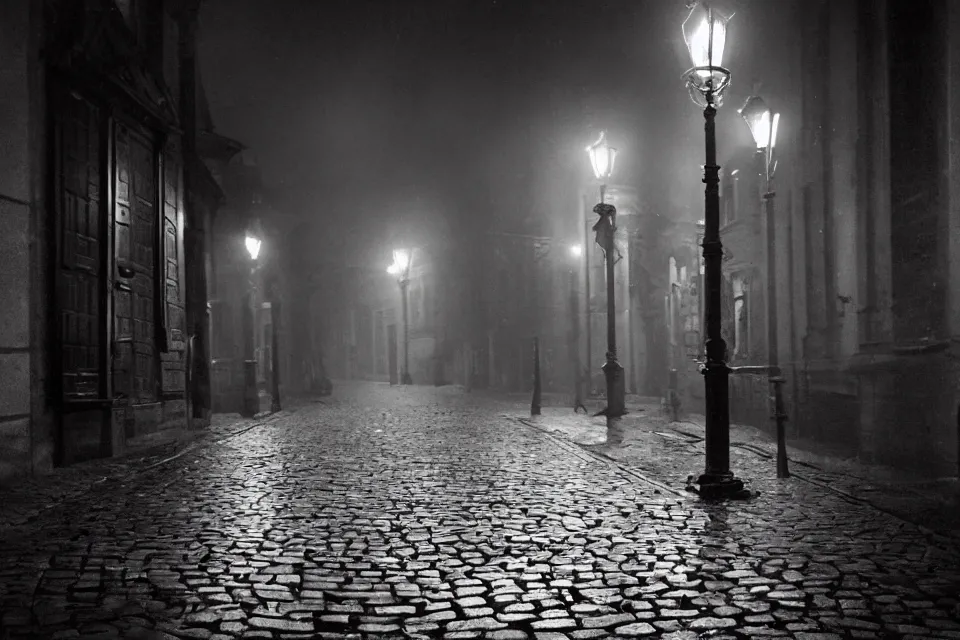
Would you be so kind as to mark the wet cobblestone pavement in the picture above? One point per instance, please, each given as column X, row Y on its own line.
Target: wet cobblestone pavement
column 673, row 451
column 23, row 499
column 422, row 512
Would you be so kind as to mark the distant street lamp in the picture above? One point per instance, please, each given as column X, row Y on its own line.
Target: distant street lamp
column 763, row 125
column 704, row 32
column 602, row 159
column 401, row 269
column 250, row 405
column 576, row 252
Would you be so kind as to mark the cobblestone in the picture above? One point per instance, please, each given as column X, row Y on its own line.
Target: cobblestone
column 672, row 451
column 422, row 512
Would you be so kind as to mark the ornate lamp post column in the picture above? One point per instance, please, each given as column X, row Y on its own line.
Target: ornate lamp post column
column 250, row 406
column 704, row 32
column 401, row 269
column 763, row 127
column 602, row 158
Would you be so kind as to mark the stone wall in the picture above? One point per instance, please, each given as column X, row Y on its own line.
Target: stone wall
column 22, row 317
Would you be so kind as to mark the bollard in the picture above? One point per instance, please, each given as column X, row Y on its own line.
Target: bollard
column 674, row 395
column 780, row 416
column 535, row 401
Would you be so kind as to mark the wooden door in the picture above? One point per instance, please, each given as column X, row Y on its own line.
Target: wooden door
column 80, row 261
column 136, row 363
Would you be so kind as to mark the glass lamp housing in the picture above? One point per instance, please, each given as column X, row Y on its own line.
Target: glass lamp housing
column 762, row 123
column 705, row 34
column 602, row 157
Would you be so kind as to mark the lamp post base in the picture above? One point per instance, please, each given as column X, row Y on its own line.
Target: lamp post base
column 722, row 487
column 616, row 389
column 616, row 401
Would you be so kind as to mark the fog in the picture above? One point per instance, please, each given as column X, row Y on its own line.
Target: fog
column 457, row 130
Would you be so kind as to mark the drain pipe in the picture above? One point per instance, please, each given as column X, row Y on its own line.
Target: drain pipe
column 188, row 382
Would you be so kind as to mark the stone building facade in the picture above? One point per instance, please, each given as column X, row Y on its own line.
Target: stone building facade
column 94, row 333
column 867, row 226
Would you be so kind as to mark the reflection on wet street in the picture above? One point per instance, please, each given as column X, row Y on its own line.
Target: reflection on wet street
column 422, row 512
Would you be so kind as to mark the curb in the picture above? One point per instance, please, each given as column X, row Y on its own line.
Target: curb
column 947, row 540
column 942, row 539
column 192, row 445
column 601, row 457
column 196, row 443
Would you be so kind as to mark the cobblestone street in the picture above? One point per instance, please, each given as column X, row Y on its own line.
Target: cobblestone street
column 422, row 512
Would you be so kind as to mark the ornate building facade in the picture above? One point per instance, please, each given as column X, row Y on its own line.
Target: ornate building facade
column 96, row 338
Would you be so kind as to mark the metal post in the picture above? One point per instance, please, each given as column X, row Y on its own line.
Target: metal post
column 575, row 344
column 535, row 400
column 674, row 394
column 275, row 356
column 250, row 404
column 612, row 370
column 717, row 480
column 776, row 381
column 588, row 305
column 405, row 374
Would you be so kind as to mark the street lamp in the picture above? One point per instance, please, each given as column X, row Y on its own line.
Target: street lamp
column 704, row 32
column 401, row 269
column 250, row 405
column 763, row 126
column 602, row 159
column 576, row 253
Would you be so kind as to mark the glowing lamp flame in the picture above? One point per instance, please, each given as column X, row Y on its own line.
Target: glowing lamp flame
column 253, row 246
column 401, row 258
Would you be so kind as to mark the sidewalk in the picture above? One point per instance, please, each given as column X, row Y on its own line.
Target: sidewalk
column 23, row 499
column 673, row 453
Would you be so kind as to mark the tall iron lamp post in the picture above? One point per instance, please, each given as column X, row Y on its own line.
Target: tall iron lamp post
column 401, row 269
column 763, row 126
column 704, row 32
column 275, row 404
column 250, row 405
column 602, row 159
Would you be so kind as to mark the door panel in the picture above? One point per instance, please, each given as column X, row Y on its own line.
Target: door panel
column 137, row 365
column 79, row 216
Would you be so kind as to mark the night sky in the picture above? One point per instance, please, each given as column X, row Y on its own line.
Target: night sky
column 415, row 114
